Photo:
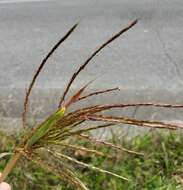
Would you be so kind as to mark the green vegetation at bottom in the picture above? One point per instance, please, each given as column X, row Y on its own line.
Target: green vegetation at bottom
column 161, row 167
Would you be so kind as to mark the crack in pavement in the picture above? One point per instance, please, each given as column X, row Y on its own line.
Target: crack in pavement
column 169, row 58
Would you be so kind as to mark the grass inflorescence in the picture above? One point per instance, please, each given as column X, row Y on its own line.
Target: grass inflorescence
column 57, row 132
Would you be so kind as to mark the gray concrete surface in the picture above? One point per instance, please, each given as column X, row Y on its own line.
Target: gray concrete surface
column 146, row 63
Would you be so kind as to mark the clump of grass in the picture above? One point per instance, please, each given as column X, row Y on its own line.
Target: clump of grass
column 160, row 167
column 61, row 126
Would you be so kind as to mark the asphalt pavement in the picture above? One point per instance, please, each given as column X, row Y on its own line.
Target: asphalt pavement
column 146, row 62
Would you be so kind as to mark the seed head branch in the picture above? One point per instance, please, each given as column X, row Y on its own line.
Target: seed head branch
column 28, row 92
column 92, row 56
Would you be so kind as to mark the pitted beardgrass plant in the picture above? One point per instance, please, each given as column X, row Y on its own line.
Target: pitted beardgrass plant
column 61, row 126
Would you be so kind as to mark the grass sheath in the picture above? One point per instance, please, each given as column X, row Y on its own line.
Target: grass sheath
column 59, row 129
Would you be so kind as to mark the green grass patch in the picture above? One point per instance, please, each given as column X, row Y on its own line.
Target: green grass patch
column 161, row 167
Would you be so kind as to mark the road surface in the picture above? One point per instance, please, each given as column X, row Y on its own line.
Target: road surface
column 146, row 63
